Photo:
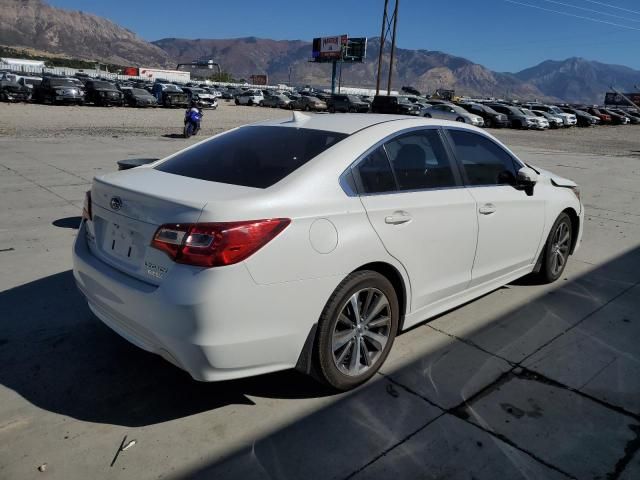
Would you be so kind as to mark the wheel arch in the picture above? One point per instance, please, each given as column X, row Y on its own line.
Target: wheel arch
column 305, row 361
column 575, row 226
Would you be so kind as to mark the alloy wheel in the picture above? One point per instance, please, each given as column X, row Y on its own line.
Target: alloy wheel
column 560, row 246
column 361, row 331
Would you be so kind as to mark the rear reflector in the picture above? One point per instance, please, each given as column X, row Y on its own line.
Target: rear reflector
column 216, row 244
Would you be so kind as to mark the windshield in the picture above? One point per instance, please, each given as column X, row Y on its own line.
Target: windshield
column 105, row 85
column 171, row 88
column 403, row 100
column 139, row 91
column 197, row 90
column 32, row 81
column 555, row 110
column 353, row 98
column 251, row 156
column 61, row 82
column 528, row 112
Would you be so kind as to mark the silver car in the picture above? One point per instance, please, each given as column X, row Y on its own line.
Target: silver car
column 447, row 111
column 555, row 121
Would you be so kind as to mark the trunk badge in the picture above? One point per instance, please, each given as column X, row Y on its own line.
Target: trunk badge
column 116, row 203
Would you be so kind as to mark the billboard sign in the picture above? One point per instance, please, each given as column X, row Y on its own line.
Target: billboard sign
column 326, row 48
column 613, row 98
column 258, row 79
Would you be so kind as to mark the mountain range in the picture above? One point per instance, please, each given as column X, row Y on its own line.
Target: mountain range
column 35, row 24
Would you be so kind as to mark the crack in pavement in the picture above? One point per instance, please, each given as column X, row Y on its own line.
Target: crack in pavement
column 518, row 371
column 38, row 185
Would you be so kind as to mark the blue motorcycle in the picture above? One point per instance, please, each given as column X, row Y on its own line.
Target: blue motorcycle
column 192, row 122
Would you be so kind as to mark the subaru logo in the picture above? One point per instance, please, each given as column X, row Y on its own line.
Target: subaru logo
column 115, row 203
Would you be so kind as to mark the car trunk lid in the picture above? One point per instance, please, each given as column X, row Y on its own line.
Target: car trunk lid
column 128, row 207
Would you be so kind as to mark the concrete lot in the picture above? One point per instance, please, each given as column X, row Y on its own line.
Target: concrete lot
column 531, row 382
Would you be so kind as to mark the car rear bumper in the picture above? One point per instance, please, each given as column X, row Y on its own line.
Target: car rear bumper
column 216, row 324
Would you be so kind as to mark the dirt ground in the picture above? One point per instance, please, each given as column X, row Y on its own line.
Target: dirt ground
column 25, row 120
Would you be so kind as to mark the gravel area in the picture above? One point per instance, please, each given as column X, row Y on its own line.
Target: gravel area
column 45, row 121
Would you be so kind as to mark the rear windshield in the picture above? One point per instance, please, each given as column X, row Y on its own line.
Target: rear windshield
column 251, row 156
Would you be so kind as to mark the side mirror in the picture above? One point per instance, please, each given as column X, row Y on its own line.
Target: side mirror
column 527, row 179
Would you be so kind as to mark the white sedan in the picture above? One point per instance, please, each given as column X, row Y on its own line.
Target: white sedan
column 311, row 242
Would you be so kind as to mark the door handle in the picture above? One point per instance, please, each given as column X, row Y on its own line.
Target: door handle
column 398, row 218
column 487, row 209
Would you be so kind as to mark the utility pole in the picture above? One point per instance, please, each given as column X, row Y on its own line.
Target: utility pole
column 393, row 46
column 382, row 40
column 389, row 27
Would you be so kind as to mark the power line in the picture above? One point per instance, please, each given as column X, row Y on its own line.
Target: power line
column 613, row 6
column 573, row 15
column 592, row 11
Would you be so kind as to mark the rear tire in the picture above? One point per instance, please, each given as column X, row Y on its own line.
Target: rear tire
column 356, row 330
column 556, row 250
column 460, row 119
column 488, row 122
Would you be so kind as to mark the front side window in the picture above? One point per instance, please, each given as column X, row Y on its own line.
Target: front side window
column 374, row 173
column 420, row 161
column 251, row 156
column 484, row 161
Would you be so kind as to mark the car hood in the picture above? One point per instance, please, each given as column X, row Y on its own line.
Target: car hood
column 556, row 179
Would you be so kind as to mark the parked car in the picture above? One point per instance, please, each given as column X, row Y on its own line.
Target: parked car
column 169, row 95
column 11, row 91
column 605, row 118
column 554, row 120
column 30, row 82
column 392, row 104
column 102, row 93
column 569, row 119
column 275, row 100
column 308, row 104
column 235, row 270
column 347, row 103
column 203, row 98
column 541, row 122
column 492, row 119
column 632, row 112
column 58, row 90
column 632, row 119
column 517, row 119
column 454, row 113
column 138, row 97
column 584, row 119
column 249, row 97
column 615, row 118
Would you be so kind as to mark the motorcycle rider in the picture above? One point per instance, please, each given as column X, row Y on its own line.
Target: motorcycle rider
column 194, row 108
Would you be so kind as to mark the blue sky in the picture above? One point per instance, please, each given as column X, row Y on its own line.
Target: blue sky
column 504, row 35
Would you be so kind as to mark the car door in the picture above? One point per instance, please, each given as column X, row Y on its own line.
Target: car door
column 415, row 201
column 511, row 222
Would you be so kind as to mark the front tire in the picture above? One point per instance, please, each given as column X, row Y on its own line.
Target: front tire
column 557, row 249
column 356, row 330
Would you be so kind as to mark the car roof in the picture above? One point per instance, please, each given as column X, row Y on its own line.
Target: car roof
column 349, row 123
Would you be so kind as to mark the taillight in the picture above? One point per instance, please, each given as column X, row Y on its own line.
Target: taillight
column 86, row 207
column 216, row 244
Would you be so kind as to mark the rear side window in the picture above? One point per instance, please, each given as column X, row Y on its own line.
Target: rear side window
column 251, row 156
column 374, row 173
column 420, row 161
column 484, row 161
